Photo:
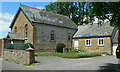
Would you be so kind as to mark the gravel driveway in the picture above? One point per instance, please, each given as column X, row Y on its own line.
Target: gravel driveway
column 57, row 63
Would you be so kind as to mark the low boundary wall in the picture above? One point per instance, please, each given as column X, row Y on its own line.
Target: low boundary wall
column 20, row 56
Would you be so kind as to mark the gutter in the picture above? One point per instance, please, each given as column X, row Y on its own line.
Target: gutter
column 92, row 36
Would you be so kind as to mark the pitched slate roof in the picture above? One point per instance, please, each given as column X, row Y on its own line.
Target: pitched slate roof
column 38, row 15
column 16, row 36
column 94, row 30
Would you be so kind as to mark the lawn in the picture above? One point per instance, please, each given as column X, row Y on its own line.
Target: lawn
column 72, row 54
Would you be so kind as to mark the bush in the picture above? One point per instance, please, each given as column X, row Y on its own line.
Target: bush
column 79, row 50
column 27, row 46
column 59, row 47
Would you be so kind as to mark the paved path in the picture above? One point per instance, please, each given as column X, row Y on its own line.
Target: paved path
column 13, row 66
column 57, row 63
column 0, row 64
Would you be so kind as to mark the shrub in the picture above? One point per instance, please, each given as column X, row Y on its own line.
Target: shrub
column 80, row 50
column 59, row 47
column 27, row 46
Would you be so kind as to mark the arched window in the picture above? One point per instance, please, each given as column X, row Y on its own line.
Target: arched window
column 15, row 29
column 69, row 37
column 52, row 36
column 26, row 31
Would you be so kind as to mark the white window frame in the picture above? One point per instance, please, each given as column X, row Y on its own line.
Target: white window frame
column 99, row 43
column 88, row 42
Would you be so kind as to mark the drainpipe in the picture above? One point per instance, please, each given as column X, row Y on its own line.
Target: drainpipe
column 67, row 38
column 111, row 46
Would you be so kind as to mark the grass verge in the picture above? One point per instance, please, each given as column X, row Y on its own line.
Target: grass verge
column 6, row 59
column 32, row 63
column 71, row 54
column 28, row 64
column 17, row 63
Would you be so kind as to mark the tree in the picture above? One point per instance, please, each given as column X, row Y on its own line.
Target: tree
column 107, row 10
column 84, row 12
column 74, row 10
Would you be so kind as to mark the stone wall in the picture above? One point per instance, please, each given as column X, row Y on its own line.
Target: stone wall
column 94, row 44
column 20, row 56
column 20, row 23
column 42, row 34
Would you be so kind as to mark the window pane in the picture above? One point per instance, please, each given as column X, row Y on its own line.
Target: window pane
column 89, row 42
column 26, row 31
column 52, row 35
column 86, row 42
column 102, row 42
column 15, row 29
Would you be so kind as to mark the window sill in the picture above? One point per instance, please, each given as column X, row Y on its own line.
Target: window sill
column 52, row 40
column 88, row 46
column 26, row 38
column 100, row 45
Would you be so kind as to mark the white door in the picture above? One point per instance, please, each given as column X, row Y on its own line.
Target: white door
column 114, row 48
column 76, row 44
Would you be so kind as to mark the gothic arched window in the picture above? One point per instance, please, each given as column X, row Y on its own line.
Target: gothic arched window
column 26, row 31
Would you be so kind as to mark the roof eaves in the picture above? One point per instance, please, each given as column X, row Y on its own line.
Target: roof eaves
column 17, row 15
column 55, row 25
column 26, row 14
column 92, row 36
column 9, row 36
column 14, row 17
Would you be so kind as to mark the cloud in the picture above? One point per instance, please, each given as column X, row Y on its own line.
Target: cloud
column 5, row 20
column 4, row 26
column 40, row 7
column 6, row 16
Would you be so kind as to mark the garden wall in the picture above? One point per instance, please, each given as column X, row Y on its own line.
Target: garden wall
column 20, row 56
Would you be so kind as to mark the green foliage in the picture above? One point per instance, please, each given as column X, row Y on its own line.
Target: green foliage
column 28, row 64
column 27, row 46
column 78, row 11
column 119, row 37
column 59, row 47
column 80, row 50
column 74, row 10
column 6, row 59
column 10, row 46
column 106, row 53
column 71, row 54
column 17, row 63
column 100, row 9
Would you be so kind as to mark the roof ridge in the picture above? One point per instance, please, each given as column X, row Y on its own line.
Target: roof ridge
column 46, row 11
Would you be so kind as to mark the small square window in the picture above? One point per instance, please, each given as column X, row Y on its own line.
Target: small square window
column 88, row 42
column 101, row 42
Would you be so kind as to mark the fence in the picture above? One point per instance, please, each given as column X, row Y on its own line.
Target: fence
column 17, row 46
